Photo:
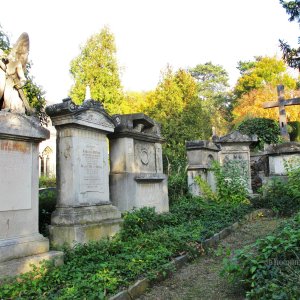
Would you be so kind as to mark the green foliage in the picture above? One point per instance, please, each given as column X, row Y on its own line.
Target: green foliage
column 97, row 67
column 262, row 72
column 46, row 182
column 4, row 40
column 231, row 182
column 267, row 130
column 282, row 196
column 270, row 268
column 177, row 184
column 144, row 247
column 295, row 131
column 47, row 204
column 291, row 55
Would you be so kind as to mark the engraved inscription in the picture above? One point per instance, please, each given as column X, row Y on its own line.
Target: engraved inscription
column 91, row 169
column 16, row 165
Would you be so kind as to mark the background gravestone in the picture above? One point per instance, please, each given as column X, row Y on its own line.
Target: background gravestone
column 200, row 155
column 83, row 211
column 136, row 167
column 20, row 240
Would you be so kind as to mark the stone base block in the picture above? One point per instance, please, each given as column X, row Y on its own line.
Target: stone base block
column 19, row 247
column 74, row 225
column 21, row 265
column 133, row 190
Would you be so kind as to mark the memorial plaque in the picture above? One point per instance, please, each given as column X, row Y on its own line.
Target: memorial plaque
column 91, row 169
column 15, row 161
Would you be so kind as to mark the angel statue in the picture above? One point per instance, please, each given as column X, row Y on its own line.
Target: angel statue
column 12, row 77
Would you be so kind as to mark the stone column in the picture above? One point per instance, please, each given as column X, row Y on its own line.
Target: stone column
column 20, row 240
column 83, row 211
column 136, row 167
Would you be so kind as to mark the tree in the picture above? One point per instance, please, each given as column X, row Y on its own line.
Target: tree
column 97, row 67
column 250, row 105
column 257, row 85
column 212, row 85
column 175, row 104
column 261, row 72
column 33, row 92
column 291, row 55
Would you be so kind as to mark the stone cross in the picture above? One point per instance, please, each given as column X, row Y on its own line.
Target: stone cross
column 281, row 103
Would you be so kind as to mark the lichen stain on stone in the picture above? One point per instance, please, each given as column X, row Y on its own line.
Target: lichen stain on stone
column 14, row 146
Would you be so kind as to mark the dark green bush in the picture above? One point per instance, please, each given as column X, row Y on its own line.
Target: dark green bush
column 177, row 184
column 47, row 203
column 282, row 195
column 267, row 130
column 295, row 131
column 270, row 268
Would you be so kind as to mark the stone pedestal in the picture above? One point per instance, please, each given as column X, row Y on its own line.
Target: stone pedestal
column 84, row 211
column 136, row 168
column 20, row 240
column 200, row 155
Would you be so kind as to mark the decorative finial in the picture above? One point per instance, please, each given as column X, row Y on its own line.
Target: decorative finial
column 87, row 93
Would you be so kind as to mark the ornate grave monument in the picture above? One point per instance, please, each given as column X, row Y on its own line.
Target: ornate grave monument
column 83, row 211
column 136, row 167
column 21, row 244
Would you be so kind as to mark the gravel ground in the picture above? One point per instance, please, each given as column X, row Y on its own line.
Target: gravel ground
column 200, row 279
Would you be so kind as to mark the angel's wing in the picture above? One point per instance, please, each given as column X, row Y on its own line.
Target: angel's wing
column 20, row 49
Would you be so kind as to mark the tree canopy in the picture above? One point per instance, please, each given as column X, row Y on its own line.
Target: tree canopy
column 291, row 55
column 96, row 66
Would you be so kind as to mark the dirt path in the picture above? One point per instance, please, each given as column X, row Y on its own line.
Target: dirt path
column 201, row 279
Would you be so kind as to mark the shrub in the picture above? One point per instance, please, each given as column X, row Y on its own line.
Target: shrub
column 267, row 130
column 231, row 182
column 46, row 182
column 177, row 184
column 295, row 131
column 270, row 268
column 282, row 196
column 47, row 203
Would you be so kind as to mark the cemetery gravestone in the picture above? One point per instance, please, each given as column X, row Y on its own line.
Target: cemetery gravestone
column 235, row 148
column 136, row 167
column 20, row 240
column 84, row 211
column 200, row 155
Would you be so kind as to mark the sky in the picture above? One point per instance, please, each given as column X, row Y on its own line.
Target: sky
column 149, row 35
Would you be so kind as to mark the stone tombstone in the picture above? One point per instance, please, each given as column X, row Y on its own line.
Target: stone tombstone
column 200, row 155
column 235, row 149
column 136, row 166
column 20, row 241
column 83, row 211
column 279, row 154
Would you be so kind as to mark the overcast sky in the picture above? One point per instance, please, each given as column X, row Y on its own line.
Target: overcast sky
column 149, row 35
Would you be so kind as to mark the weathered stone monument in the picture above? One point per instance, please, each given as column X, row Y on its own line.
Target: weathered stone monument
column 200, row 155
column 136, row 166
column 20, row 241
column 231, row 150
column 83, row 211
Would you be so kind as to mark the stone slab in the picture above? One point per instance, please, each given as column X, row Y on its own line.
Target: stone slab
column 23, row 246
column 23, row 265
